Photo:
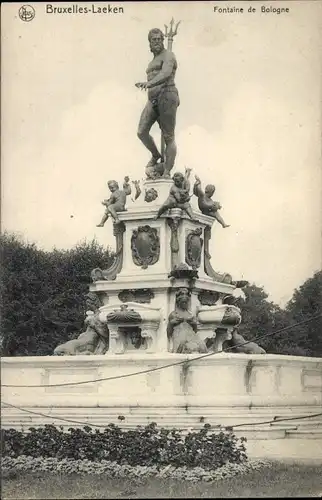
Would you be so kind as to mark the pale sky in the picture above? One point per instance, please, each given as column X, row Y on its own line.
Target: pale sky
column 249, row 122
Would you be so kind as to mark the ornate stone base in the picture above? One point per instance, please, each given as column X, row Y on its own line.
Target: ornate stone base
column 156, row 256
column 222, row 390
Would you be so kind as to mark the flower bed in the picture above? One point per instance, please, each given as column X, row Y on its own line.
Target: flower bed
column 148, row 446
column 113, row 469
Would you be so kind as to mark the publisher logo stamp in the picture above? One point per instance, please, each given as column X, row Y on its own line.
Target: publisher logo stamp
column 27, row 13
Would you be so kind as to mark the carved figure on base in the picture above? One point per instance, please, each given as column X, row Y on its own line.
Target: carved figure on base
column 117, row 200
column 92, row 341
column 182, row 326
column 179, row 196
column 249, row 348
column 205, row 203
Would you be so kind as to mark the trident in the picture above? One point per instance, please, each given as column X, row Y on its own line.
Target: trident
column 169, row 34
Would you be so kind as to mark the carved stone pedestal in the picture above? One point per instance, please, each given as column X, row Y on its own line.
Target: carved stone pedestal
column 131, row 327
column 157, row 255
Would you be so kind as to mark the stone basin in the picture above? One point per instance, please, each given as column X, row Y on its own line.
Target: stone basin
column 223, row 316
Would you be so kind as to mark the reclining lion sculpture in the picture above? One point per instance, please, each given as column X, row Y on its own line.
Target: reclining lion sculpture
column 93, row 341
column 249, row 348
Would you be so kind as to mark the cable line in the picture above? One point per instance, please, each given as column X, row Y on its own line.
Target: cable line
column 275, row 420
column 157, row 368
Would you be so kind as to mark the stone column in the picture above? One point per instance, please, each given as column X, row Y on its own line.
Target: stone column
column 117, row 340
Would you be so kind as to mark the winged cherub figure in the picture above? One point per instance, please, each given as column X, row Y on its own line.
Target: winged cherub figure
column 205, row 203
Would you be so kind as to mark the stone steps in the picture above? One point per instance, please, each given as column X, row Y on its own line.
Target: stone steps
column 301, row 426
column 305, row 434
column 175, row 417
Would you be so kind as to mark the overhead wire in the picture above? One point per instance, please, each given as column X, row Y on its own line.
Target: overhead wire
column 157, row 368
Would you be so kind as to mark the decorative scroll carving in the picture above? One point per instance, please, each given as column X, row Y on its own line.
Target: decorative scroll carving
column 208, row 298
column 222, row 278
column 145, row 246
column 116, row 267
column 123, row 315
column 194, row 248
column 142, row 296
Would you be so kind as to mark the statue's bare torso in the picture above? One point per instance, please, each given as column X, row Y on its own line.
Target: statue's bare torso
column 157, row 66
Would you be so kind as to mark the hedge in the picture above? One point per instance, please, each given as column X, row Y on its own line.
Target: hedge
column 143, row 446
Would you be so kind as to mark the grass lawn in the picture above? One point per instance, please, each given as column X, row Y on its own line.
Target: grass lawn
column 281, row 480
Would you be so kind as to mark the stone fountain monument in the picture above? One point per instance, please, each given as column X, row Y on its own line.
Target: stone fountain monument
column 161, row 293
column 157, row 318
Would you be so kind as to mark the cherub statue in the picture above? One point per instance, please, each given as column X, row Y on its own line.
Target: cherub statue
column 179, row 195
column 182, row 326
column 206, row 205
column 117, row 200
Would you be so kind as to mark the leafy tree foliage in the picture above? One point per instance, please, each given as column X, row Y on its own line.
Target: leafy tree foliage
column 306, row 303
column 261, row 316
column 43, row 293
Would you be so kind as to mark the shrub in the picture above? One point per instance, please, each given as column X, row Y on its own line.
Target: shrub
column 143, row 446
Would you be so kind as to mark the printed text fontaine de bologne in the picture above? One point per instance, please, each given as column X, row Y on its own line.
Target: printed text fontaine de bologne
column 263, row 9
column 84, row 9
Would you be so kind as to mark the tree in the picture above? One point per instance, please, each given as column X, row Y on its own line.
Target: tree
column 43, row 293
column 261, row 317
column 305, row 304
